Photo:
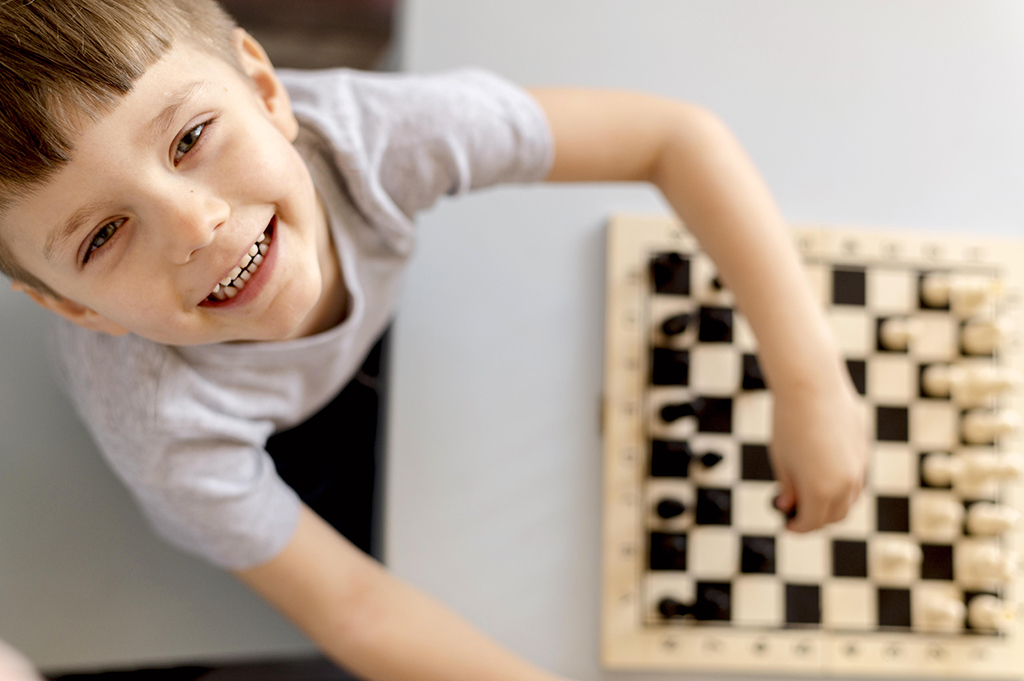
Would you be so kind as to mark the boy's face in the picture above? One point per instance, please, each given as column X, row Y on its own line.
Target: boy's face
column 163, row 199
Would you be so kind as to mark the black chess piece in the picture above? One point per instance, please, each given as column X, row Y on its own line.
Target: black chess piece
column 670, row 508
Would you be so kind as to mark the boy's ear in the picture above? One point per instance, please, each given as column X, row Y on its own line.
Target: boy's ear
column 70, row 310
column 269, row 89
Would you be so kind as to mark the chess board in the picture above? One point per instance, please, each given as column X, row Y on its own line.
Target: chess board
column 699, row 572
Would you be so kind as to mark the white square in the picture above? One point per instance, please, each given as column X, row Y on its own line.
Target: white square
column 935, row 606
column 754, row 509
column 662, row 584
column 934, row 336
column 757, row 600
column 852, row 330
column 891, row 290
column 859, row 521
column 820, row 279
column 802, row 556
column 659, row 397
column 933, row 425
column 714, row 369
column 891, row 378
column 893, row 469
column 722, row 474
column 892, row 560
column 936, row 515
column 665, row 307
column 752, row 416
column 703, row 273
column 670, row 489
column 743, row 338
column 712, row 552
column 848, row 604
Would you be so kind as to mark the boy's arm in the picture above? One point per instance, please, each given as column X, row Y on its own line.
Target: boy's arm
column 819, row 442
column 373, row 624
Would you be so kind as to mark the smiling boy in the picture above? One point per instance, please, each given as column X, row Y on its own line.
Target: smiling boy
column 224, row 243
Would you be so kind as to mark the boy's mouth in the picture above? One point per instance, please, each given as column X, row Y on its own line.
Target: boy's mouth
column 235, row 281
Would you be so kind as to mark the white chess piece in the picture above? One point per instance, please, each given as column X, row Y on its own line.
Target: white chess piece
column 942, row 612
column 968, row 385
column 935, row 289
column 940, row 516
column 983, row 335
column 895, row 333
column 939, row 469
column 985, row 518
column 981, row 426
column 988, row 613
column 964, row 295
column 977, row 469
column 986, row 564
column 897, row 553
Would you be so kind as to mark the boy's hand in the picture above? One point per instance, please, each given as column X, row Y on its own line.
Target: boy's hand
column 819, row 453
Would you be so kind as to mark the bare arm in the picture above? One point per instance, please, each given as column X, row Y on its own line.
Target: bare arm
column 819, row 447
column 371, row 623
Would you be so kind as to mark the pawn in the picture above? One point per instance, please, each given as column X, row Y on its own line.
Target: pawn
column 895, row 333
column 983, row 336
column 896, row 554
column 670, row 508
column 986, row 518
column 673, row 326
column 711, row 459
column 982, row 426
column 968, row 385
column 963, row 295
column 942, row 613
column 938, row 516
column 985, row 565
column 988, row 613
column 977, row 469
column 939, row 469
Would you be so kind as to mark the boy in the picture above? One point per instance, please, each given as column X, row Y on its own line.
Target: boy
column 223, row 245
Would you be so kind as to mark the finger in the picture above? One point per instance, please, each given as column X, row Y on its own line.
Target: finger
column 810, row 515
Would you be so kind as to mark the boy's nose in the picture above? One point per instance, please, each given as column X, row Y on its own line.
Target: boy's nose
column 195, row 219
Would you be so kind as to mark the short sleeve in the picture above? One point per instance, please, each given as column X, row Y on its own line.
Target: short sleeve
column 403, row 141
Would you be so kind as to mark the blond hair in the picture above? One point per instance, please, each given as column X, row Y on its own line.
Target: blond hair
column 67, row 61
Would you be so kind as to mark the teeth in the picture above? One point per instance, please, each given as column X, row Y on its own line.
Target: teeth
column 230, row 285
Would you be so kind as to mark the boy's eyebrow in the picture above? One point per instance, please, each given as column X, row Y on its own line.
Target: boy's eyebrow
column 59, row 237
column 175, row 102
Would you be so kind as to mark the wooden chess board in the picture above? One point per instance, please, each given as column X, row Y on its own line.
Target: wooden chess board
column 922, row 577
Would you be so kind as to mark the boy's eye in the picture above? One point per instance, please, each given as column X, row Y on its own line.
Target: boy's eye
column 105, row 234
column 189, row 140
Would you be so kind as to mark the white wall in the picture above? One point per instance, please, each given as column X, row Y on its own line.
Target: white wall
column 882, row 113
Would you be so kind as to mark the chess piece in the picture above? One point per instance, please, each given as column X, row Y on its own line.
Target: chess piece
column 670, row 508
column 896, row 555
column 938, row 469
column 939, row 516
column 673, row 326
column 942, row 613
column 895, row 333
column 988, row 613
column 968, row 385
column 985, row 518
column 983, row 335
column 964, row 295
column 985, row 564
column 982, row 426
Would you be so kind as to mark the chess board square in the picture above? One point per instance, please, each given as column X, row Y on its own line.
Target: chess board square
column 743, row 338
column 757, row 600
column 803, row 604
column 753, row 379
column 848, row 286
column 891, row 290
column 937, row 561
column 936, row 337
column 756, row 463
column 714, row 369
column 713, row 552
column 754, row 510
column 849, row 558
column 667, row 551
column 893, row 514
column 853, row 331
column 714, row 601
column 661, row 309
column 859, row 520
column 893, row 469
column 753, row 416
column 882, row 569
column 924, row 596
column 714, row 415
column 934, row 424
column 857, row 369
column 921, row 302
column 716, row 460
column 757, row 554
column 670, row 367
column 848, row 604
column 920, row 470
column 893, row 607
column 677, row 587
column 820, row 279
column 936, row 515
column 715, row 325
column 671, row 493
column 714, row 506
column 802, row 557
column 891, row 424
column 891, row 379
column 670, row 273
column 880, row 345
column 670, row 458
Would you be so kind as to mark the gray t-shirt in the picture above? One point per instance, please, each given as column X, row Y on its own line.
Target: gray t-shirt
column 185, row 427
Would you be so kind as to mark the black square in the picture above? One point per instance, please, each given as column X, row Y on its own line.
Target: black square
column 858, row 374
column 753, row 379
column 893, row 514
column 758, row 555
column 849, row 558
column 803, row 604
column 714, row 415
column 715, row 325
column 670, row 367
column 671, row 274
column 755, row 464
column 668, row 551
column 714, row 506
column 670, row 458
column 848, row 286
column 713, row 601
column 937, row 561
column 892, row 424
column 894, row 607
